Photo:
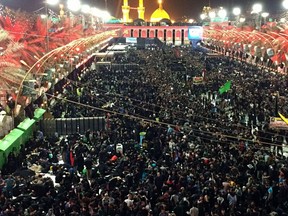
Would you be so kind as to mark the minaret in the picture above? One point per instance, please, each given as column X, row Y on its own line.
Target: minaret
column 141, row 10
column 125, row 11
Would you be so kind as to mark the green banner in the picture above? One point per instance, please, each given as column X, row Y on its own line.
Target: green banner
column 27, row 126
column 10, row 143
column 38, row 114
column 226, row 87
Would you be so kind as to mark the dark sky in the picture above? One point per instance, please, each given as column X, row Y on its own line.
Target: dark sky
column 176, row 8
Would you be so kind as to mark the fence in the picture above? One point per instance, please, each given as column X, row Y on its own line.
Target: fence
column 115, row 66
column 66, row 126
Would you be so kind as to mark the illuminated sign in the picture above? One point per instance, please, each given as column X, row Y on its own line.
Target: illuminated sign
column 277, row 123
column 195, row 33
column 132, row 40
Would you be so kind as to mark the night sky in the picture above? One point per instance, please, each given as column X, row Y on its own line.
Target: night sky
column 176, row 8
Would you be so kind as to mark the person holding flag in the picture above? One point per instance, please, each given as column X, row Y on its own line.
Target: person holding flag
column 225, row 88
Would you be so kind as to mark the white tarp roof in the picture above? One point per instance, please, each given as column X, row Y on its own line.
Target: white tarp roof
column 118, row 47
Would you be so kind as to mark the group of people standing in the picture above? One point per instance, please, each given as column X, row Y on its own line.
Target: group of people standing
column 183, row 148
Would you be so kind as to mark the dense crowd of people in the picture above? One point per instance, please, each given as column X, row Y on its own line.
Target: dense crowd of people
column 171, row 146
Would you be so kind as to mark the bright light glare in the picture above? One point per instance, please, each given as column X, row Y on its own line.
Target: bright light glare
column 265, row 14
column 236, row 11
column 105, row 15
column 285, row 4
column 212, row 14
column 203, row 16
column 85, row 9
column 222, row 13
column 52, row 2
column 191, row 20
column 74, row 5
column 257, row 8
column 95, row 11
column 242, row 19
column 43, row 16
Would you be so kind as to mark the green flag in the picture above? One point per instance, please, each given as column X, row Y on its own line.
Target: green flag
column 226, row 87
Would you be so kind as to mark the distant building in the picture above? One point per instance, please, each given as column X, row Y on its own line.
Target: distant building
column 158, row 15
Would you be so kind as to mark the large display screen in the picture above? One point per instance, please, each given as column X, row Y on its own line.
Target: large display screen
column 195, row 32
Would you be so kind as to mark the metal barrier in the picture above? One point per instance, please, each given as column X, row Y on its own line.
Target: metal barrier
column 116, row 66
column 66, row 126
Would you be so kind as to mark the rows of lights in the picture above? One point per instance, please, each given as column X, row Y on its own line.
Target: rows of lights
column 76, row 6
column 222, row 13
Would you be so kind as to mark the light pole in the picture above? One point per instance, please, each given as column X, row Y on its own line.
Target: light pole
column 48, row 2
column 222, row 13
column 265, row 15
column 256, row 9
column 85, row 9
column 212, row 15
column 237, row 11
column 73, row 6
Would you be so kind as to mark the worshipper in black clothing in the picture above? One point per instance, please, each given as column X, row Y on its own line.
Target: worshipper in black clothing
column 217, row 163
column 80, row 162
column 88, row 164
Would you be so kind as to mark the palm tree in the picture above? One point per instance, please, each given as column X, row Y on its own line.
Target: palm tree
column 32, row 32
column 20, row 31
column 11, row 73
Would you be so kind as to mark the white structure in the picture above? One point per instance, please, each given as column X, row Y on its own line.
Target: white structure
column 6, row 124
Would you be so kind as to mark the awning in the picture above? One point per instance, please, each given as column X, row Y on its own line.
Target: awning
column 11, row 141
column 39, row 113
column 27, row 126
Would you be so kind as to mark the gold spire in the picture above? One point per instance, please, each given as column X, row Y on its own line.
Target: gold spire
column 159, row 13
column 160, row 4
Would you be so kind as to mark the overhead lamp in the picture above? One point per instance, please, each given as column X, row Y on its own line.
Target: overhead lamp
column 257, row 8
column 236, row 11
column 285, row 4
column 74, row 5
column 202, row 16
column 265, row 14
column 52, row 2
column 212, row 14
column 222, row 13
column 85, row 9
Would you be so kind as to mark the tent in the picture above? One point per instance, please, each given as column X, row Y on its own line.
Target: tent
column 27, row 126
column 17, row 135
column 11, row 142
column 38, row 114
column 114, row 20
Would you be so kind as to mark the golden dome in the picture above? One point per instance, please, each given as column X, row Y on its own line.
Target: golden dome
column 159, row 14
